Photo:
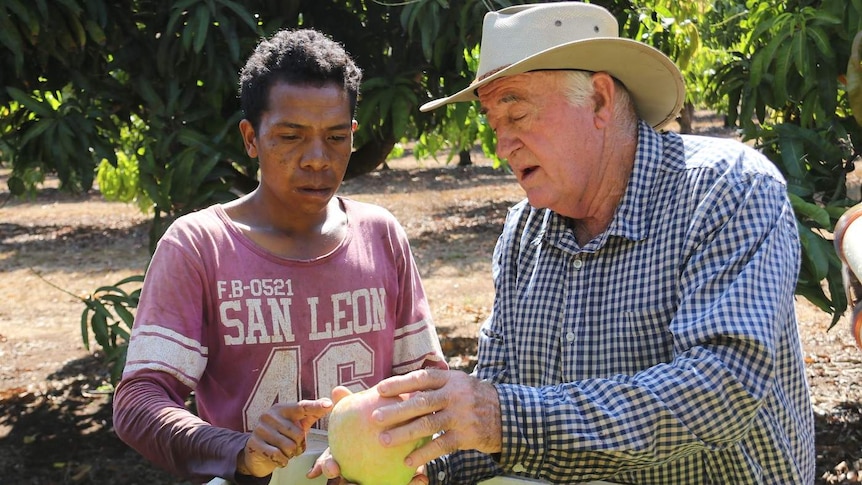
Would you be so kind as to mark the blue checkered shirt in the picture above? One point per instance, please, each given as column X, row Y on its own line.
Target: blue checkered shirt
column 665, row 351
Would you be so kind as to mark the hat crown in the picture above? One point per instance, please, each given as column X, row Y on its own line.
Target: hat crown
column 512, row 34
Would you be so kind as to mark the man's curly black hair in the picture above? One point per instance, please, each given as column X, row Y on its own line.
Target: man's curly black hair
column 303, row 56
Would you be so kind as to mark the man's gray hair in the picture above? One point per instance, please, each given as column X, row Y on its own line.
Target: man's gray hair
column 579, row 88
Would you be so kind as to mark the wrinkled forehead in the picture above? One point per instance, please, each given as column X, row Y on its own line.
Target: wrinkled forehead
column 523, row 86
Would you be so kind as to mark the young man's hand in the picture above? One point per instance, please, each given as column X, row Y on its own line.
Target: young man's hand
column 279, row 436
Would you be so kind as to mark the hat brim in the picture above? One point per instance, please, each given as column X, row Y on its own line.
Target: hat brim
column 652, row 79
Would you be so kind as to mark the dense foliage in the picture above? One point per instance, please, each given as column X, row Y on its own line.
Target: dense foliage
column 786, row 88
column 141, row 96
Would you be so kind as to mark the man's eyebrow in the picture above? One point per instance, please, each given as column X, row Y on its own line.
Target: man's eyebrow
column 295, row 125
column 509, row 98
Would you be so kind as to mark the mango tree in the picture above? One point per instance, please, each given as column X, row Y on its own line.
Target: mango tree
column 140, row 96
column 787, row 89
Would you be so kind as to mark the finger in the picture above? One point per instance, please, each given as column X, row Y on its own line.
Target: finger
column 419, row 480
column 275, row 427
column 260, row 452
column 414, row 412
column 279, row 439
column 316, row 470
column 339, row 393
column 305, row 413
column 331, row 469
column 324, row 465
column 444, row 444
column 418, row 380
column 312, row 408
column 413, row 430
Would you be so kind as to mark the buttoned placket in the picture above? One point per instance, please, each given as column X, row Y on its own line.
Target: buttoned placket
column 572, row 318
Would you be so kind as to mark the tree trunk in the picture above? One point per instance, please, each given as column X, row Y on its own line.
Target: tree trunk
column 369, row 156
column 686, row 118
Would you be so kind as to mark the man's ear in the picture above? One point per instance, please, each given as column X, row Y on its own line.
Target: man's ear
column 248, row 137
column 604, row 91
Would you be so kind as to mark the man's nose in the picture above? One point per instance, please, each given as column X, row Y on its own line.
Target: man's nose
column 316, row 155
column 506, row 144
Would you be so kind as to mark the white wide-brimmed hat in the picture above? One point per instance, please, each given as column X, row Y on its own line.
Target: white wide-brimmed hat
column 574, row 35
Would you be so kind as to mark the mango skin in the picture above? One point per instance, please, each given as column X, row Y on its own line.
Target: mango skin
column 355, row 445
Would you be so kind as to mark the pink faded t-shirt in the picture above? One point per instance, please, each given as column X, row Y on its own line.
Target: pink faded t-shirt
column 246, row 329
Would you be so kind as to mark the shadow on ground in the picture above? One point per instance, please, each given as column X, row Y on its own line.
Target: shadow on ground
column 65, row 435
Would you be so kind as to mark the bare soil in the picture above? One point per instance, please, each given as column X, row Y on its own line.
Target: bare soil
column 55, row 417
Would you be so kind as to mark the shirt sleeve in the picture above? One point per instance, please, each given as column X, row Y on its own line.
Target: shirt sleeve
column 416, row 343
column 150, row 416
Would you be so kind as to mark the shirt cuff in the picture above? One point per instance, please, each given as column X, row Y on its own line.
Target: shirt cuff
column 523, row 437
column 437, row 471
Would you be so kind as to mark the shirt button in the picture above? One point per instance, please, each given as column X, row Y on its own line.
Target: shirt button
column 577, row 263
column 441, row 476
column 570, row 336
column 518, row 468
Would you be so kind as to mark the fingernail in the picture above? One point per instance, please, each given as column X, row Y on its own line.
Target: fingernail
column 385, row 438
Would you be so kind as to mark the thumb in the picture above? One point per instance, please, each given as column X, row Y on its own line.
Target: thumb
column 339, row 393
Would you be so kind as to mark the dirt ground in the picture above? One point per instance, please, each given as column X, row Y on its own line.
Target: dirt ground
column 55, row 417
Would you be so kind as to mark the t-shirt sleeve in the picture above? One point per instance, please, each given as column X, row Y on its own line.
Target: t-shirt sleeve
column 416, row 344
column 150, row 416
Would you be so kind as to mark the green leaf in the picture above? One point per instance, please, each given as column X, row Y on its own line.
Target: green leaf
column 810, row 211
column 815, row 252
column 125, row 315
column 792, row 155
column 242, row 13
column 145, row 89
column 821, row 41
column 99, row 324
column 783, row 60
column 85, row 328
column 11, row 40
column 202, row 22
column 401, row 107
column 36, row 129
column 40, row 108
column 96, row 32
column 76, row 30
column 814, row 294
column 800, row 50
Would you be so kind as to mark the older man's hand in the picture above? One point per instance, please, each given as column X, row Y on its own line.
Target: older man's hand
column 464, row 408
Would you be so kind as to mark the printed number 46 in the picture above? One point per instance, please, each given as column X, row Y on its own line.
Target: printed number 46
column 343, row 363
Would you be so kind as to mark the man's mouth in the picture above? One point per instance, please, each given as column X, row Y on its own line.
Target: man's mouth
column 528, row 170
column 315, row 190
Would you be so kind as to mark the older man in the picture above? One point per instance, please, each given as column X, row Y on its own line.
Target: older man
column 643, row 329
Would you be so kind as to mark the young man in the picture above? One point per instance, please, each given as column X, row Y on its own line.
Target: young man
column 263, row 305
column 643, row 329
